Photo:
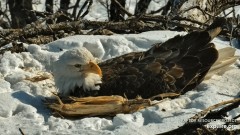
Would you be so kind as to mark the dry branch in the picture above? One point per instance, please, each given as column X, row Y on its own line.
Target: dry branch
column 31, row 31
column 40, row 33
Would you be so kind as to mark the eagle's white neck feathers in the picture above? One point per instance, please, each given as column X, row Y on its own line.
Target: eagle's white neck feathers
column 67, row 76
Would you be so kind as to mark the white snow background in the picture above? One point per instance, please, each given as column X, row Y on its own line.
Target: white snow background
column 21, row 103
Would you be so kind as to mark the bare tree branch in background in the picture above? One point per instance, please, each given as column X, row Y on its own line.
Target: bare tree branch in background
column 75, row 9
column 18, row 16
column 207, row 10
column 176, row 17
column 116, row 12
column 106, row 4
column 64, row 6
column 49, row 8
column 81, row 9
column 172, row 7
column 3, row 14
column 142, row 7
column 90, row 2
column 40, row 33
column 87, row 4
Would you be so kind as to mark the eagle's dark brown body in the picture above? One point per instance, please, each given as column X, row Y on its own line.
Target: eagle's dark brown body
column 177, row 65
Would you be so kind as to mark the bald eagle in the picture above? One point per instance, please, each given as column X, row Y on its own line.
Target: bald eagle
column 177, row 65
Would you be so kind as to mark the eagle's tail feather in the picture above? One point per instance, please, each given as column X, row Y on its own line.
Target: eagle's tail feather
column 225, row 59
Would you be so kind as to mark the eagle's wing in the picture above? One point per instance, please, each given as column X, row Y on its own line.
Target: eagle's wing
column 177, row 65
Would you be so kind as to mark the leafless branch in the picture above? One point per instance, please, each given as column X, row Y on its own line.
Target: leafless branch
column 87, row 11
column 122, row 8
column 75, row 9
column 87, row 2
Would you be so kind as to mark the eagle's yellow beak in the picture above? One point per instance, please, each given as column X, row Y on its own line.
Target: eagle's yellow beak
column 92, row 67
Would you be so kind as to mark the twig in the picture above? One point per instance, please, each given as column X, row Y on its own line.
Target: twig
column 164, row 95
column 165, row 19
column 81, row 9
column 157, row 11
column 235, row 102
column 238, row 116
column 225, row 15
column 87, row 11
column 21, row 131
column 75, row 9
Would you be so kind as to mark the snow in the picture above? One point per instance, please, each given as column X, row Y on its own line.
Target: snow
column 21, row 103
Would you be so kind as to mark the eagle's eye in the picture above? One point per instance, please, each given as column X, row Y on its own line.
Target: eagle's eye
column 77, row 65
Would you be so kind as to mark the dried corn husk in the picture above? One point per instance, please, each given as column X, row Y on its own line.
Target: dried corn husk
column 97, row 106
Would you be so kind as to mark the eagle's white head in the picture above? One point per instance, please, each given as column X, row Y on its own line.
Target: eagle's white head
column 76, row 68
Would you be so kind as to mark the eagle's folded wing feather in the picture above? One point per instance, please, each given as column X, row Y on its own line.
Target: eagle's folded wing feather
column 177, row 65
